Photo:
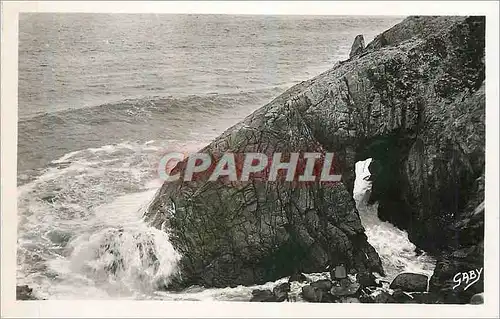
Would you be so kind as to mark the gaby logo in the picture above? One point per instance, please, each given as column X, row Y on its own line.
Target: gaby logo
column 468, row 278
column 244, row 167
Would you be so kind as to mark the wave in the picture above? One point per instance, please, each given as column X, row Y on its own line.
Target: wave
column 45, row 137
column 80, row 229
column 161, row 103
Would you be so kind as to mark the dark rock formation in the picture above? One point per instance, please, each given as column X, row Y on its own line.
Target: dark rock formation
column 323, row 284
column 400, row 296
column 317, row 294
column 298, row 276
column 410, row 282
column 263, row 296
column 347, row 288
column 384, row 297
column 477, row 299
column 459, row 270
column 425, row 298
column 357, row 46
column 24, row 293
column 377, row 295
column 312, row 294
column 339, row 272
column 281, row 292
column 367, row 280
column 413, row 101
column 349, row 300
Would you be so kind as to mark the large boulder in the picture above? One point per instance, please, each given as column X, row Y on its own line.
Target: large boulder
column 24, row 292
column 281, row 291
column 410, row 282
column 357, row 46
column 262, row 296
column 313, row 293
column 477, row 299
column 413, row 101
column 367, row 280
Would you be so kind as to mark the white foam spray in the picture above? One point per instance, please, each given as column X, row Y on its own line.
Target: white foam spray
column 392, row 244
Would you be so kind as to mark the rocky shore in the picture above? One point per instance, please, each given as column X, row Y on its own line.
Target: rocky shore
column 24, row 292
column 414, row 101
column 405, row 288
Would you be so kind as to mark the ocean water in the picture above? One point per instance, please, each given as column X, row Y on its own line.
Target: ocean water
column 103, row 96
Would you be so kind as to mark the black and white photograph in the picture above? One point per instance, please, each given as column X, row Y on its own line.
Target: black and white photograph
column 253, row 158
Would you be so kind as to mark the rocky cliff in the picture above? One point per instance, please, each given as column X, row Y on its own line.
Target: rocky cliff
column 413, row 100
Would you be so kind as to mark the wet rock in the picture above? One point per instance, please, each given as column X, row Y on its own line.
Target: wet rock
column 365, row 299
column 339, row 272
column 313, row 294
column 24, row 293
column 349, row 300
column 402, row 297
column 367, row 295
column 357, row 46
column 281, row 292
column 345, row 282
column 410, row 282
column 477, row 299
column 383, row 297
column 367, row 280
column 323, row 284
column 298, row 276
column 346, row 288
column 329, row 298
column 376, row 295
column 318, row 291
column 262, row 296
column 427, row 298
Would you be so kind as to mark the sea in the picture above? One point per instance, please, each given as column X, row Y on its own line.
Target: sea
column 102, row 97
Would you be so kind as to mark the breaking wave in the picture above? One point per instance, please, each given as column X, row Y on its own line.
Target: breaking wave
column 81, row 233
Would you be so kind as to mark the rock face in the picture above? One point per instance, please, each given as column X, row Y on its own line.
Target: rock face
column 357, row 46
column 367, row 280
column 346, row 288
column 414, row 101
column 458, row 275
column 315, row 294
column 281, row 292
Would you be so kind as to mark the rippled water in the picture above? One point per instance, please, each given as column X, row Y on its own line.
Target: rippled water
column 103, row 96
